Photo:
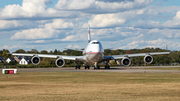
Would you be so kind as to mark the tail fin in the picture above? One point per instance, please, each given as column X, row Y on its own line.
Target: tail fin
column 89, row 36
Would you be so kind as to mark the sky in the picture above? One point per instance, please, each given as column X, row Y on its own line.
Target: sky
column 119, row 24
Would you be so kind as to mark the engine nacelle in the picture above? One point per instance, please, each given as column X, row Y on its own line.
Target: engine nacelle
column 60, row 62
column 126, row 61
column 148, row 59
column 35, row 60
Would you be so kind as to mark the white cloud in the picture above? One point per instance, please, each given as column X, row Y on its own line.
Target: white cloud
column 9, row 24
column 48, row 31
column 147, row 24
column 74, row 46
column 124, row 23
column 165, row 33
column 106, row 20
column 15, row 47
column 29, row 8
column 37, row 33
column 36, row 41
column 33, row 9
column 16, row 24
column 93, row 6
column 77, row 37
column 60, row 24
column 8, row 47
column 174, row 23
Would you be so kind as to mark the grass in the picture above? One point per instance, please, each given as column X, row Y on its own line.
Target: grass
column 166, row 68
column 79, row 86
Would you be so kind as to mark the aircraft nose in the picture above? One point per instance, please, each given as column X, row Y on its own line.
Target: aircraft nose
column 97, row 48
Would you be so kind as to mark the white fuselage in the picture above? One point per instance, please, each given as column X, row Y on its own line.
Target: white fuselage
column 94, row 52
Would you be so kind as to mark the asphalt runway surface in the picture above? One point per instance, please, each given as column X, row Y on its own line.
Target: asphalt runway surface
column 133, row 69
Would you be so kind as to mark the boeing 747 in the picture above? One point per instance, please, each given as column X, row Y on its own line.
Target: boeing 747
column 93, row 54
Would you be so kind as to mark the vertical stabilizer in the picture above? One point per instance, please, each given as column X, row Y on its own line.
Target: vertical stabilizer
column 89, row 36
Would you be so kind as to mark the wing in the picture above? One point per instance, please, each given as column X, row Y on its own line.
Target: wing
column 52, row 56
column 114, row 57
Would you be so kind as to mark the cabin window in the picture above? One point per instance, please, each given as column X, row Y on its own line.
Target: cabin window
column 95, row 43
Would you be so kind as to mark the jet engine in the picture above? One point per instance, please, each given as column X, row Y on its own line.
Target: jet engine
column 126, row 61
column 148, row 59
column 35, row 60
column 60, row 62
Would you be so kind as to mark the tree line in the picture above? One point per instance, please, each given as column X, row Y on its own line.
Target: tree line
column 173, row 57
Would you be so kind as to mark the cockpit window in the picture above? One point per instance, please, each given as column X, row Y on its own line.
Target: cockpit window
column 95, row 43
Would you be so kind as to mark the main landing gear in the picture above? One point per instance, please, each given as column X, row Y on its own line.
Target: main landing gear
column 77, row 66
column 96, row 66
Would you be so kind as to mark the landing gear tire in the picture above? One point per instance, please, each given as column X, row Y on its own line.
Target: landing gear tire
column 78, row 67
column 94, row 67
column 86, row 67
column 98, row 67
column 107, row 67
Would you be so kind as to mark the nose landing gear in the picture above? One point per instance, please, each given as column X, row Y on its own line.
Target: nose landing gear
column 107, row 65
column 96, row 66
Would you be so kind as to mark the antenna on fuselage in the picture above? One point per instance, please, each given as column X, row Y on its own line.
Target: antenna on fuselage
column 89, row 37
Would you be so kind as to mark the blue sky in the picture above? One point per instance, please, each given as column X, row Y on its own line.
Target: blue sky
column 59, row 24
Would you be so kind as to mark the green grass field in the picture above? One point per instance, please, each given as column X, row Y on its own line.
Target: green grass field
column 90, row 86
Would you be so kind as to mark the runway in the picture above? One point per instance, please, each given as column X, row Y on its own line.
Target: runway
column 133, row 69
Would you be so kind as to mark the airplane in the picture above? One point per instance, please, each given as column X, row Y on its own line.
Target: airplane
column 93, row 54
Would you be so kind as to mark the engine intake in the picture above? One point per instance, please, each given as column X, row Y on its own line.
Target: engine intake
column 126, row 61
column 35, row 60
column 60, row 62
column 148, row 59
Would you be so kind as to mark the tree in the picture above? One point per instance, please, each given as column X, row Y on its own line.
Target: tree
column 1, row 52
column 34, row 51
column 115, row 52
column 5, row 54
column 67, row 51
column 174, row 56
column 107, row 52
column 20, row 51
column 129, row 52
column 51, row 52
column 76, row 53
column 55, row 52
column 12, row 63
column 146, row 50
column 44, row 52
column 59, row 52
